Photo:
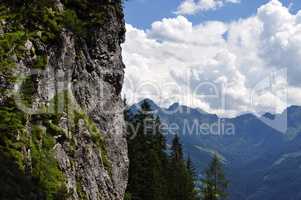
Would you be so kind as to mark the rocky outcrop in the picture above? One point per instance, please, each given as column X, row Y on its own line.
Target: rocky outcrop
column 68, row 98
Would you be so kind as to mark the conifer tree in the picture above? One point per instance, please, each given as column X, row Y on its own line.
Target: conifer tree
column 214, row 184
column 154, row 175
column 147, row 179
column 177, row 151
column 180, row 177
column 192, row 179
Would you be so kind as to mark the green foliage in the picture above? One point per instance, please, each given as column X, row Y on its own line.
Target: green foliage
column 127, row 196
column 47, row 179
column 54, row 130
column 214, row 184
column 86, row 9
column 40, row 22
column 12, row 41
column 44, row 20
column 52, row 19
column 72, row 22
column 41, row 62
column 10, row 44
column 153, row 175
column 147, row 172
column 13, row 132
column 62, row 193
column 177, row 152
column 98, row 18
column 76, row 4
column 44, row 166
column 180, row 172
column 14, row 182
column 11, row 119
column 92, row 128
column 26, row 91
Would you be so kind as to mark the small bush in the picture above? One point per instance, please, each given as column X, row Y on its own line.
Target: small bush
column 72, row 22
column 41, row 62
column 44, row 166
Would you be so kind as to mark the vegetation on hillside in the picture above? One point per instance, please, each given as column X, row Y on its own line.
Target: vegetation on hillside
column 155, row 174
column 214, row 185
column 161, row 173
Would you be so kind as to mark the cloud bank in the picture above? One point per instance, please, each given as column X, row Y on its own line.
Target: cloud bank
column 251, row 64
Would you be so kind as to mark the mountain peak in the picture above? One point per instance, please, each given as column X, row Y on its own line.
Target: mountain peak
column 150, row 102
column 293, row 108
column 174, row 106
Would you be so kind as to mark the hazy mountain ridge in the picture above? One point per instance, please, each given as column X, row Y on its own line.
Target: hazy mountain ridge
column 261, row 162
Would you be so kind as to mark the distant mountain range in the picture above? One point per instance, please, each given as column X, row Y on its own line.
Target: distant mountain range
column 261, row 162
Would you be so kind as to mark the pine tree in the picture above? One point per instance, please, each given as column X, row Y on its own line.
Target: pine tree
column 192, row 178
column 214, row 184
column 177, row 151
column 153, row 175
column 181, row 177
column 147, row 180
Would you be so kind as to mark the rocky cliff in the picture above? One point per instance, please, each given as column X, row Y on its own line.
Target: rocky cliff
column 62, row 132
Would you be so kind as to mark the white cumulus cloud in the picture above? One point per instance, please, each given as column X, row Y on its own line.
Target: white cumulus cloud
column 190, row 7
column 251, row 64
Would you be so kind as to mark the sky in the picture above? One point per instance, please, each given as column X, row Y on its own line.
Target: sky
column 223, row 56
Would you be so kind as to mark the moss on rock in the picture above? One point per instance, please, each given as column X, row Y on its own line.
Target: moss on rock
column 45, row 168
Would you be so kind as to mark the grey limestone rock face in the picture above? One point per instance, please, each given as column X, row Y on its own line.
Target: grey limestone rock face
column 94, row 73
column 89, row 72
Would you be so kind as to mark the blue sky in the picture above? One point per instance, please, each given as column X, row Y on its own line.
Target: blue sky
column 142, row 13
column 183, row 57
